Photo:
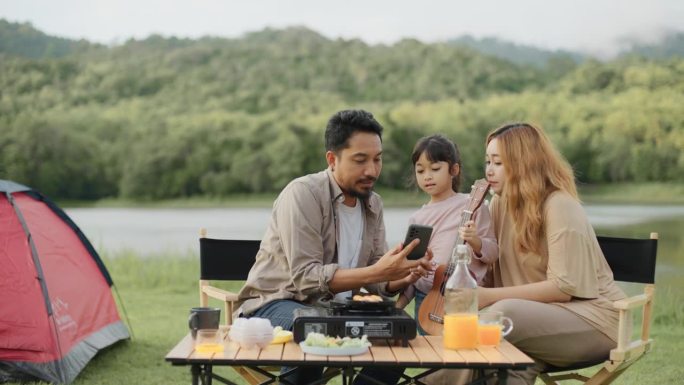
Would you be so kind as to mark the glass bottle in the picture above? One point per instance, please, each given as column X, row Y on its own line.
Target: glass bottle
column 460, row 304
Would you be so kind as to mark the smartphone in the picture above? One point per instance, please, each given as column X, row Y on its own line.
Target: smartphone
column 421, row 232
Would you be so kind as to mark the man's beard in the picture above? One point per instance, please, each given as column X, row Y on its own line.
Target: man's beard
column 363, row 194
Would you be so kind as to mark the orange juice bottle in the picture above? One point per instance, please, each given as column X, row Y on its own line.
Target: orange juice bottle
column 460, row 331
column 460, row 304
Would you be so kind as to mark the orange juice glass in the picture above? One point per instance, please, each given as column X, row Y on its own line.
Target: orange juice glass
column 488, row 334
column 460, row 331
column 209, row 348
column 492, row 327
column 208, row 341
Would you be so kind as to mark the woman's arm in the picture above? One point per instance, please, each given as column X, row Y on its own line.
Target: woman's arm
column 544, row 291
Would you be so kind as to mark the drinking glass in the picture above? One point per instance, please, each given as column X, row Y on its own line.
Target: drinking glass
column 492, row 327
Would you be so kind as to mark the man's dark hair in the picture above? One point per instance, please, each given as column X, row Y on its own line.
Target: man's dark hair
column 343, row 124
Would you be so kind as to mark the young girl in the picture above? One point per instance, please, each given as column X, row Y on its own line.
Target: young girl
column 437, row 165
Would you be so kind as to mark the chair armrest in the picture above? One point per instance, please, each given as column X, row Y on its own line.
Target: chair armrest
column 631, row 302
column 627, row 348
column 220, row 294
column 634, row 349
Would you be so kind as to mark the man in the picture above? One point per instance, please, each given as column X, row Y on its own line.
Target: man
column 327, row 235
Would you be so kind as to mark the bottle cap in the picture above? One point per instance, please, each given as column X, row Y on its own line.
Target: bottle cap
column 461, row 249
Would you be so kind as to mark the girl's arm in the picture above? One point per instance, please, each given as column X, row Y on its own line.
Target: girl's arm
column 405, row 296
column 484, row 228
column 399, row 284
column 544, row 291
column 468, row 232
column 479, row 235
column 402, row 301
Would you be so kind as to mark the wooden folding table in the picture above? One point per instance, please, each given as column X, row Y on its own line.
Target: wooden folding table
column 424, row 352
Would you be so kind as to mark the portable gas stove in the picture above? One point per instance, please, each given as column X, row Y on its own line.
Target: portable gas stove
column 379, row 320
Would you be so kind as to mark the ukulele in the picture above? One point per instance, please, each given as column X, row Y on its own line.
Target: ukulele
column 431, row 311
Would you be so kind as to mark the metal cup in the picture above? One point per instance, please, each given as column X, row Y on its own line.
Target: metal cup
column 203, row 318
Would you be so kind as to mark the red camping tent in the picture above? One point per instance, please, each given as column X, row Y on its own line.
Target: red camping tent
column 56, row 305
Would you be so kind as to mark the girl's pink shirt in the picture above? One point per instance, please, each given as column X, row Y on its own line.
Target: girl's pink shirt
column 445, row 218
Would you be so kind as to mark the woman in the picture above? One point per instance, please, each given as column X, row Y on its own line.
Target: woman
column 551, row 277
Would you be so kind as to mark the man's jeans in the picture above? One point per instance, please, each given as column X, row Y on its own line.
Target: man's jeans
column 280, row 313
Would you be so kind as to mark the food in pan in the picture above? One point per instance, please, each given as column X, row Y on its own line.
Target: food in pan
column 367, row 298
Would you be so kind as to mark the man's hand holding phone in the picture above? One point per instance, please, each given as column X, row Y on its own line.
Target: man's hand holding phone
column 395, row 265
column 422, row 233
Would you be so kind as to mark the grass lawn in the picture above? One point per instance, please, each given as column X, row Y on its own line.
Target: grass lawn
column 158, row 294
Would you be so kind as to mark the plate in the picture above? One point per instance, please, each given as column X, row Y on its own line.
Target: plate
column 348, row 351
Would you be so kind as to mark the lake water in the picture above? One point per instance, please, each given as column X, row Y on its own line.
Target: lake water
column 159, row 232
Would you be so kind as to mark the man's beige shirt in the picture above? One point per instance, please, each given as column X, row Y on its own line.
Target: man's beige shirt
column 571, row 258
column 298, row 254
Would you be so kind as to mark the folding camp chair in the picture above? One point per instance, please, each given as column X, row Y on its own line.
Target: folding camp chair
column 230, row 260
column 227, row 260
column 631, row 260
column 224, row 260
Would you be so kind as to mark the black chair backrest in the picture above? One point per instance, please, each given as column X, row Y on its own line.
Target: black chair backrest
column 227, row 259
column 632, row 260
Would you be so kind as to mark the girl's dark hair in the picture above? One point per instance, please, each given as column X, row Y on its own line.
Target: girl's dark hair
column 438, row 148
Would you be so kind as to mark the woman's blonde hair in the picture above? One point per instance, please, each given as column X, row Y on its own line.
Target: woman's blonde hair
column 534, row 170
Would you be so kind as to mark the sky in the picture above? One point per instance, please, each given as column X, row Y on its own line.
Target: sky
column 598, row 27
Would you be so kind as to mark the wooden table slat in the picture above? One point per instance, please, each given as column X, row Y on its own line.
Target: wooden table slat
column 230, row 349
column 182, row 350
column 271, row 352
column 315, row 357
column 424, row 351
column 447, row 355
column 365, row 357
column 513, row 354
column 292, row 351
column 404, row 354
column 382, row 352
column 202, row 355
column 492, row 354
column 248, row 354
column 473, row 356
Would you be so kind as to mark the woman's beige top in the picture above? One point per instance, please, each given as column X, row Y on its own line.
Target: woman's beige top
column 571, row 258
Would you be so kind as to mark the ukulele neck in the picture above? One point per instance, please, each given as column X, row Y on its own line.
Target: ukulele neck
column 466, row 215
